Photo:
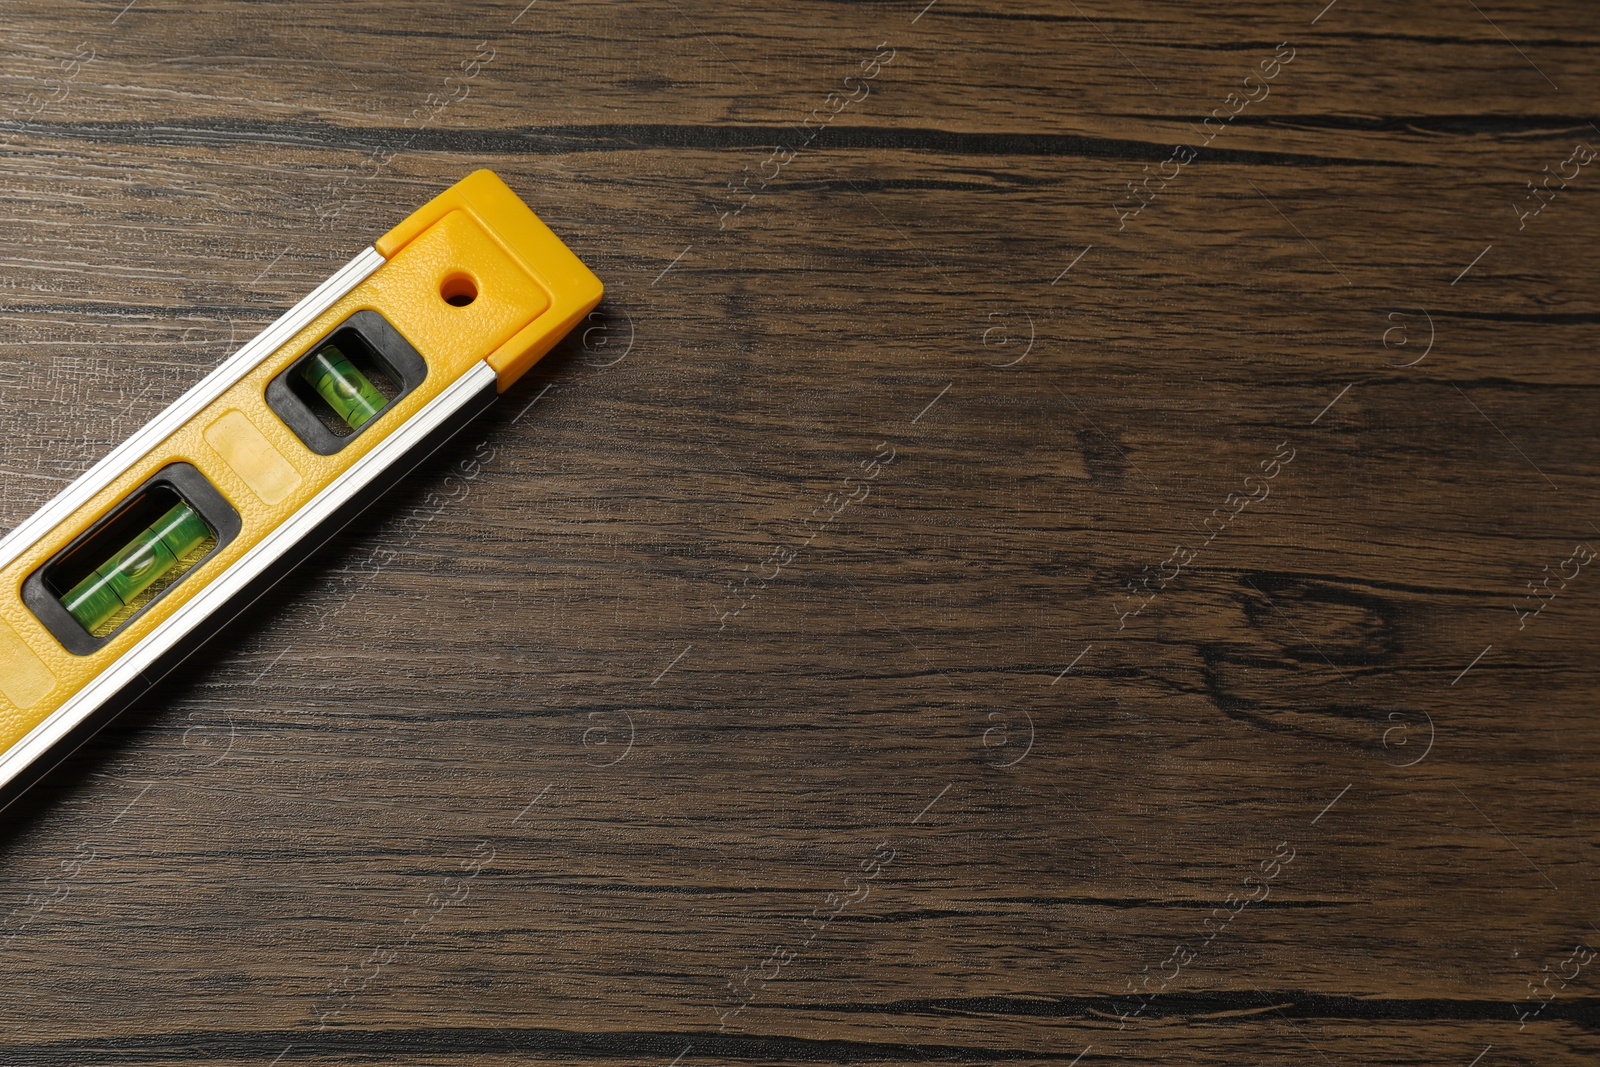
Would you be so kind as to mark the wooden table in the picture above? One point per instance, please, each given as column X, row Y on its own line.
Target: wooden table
column 1068, row 542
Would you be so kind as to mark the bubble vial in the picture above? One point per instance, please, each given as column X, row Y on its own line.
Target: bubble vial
column 150, row 562
column 343, row 387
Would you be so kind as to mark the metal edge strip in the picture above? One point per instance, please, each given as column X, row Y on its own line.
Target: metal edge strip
column 224, row 586
column 213, row 385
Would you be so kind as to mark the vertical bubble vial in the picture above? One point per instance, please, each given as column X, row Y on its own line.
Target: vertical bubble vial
column 347, row 391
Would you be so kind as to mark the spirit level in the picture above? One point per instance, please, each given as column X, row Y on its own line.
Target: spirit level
column 134, row 565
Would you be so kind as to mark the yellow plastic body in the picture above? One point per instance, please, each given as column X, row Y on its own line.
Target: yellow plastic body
column 530, row 290
column 573, row 288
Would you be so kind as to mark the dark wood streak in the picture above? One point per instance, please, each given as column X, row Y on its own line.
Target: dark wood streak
column 262, row 862
column 644, row 137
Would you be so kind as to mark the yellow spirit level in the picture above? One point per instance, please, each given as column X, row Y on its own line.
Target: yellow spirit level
column 134, row 565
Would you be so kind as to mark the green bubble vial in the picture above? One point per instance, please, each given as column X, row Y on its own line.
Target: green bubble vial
column 144, row 561
column 347, row 391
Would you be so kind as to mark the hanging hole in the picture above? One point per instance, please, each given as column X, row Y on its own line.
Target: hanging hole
column 459, row 290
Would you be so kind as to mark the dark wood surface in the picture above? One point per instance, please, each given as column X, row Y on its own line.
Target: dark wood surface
column 919, row 619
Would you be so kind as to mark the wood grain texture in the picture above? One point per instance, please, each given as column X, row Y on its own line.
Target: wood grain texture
column 860, row 642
